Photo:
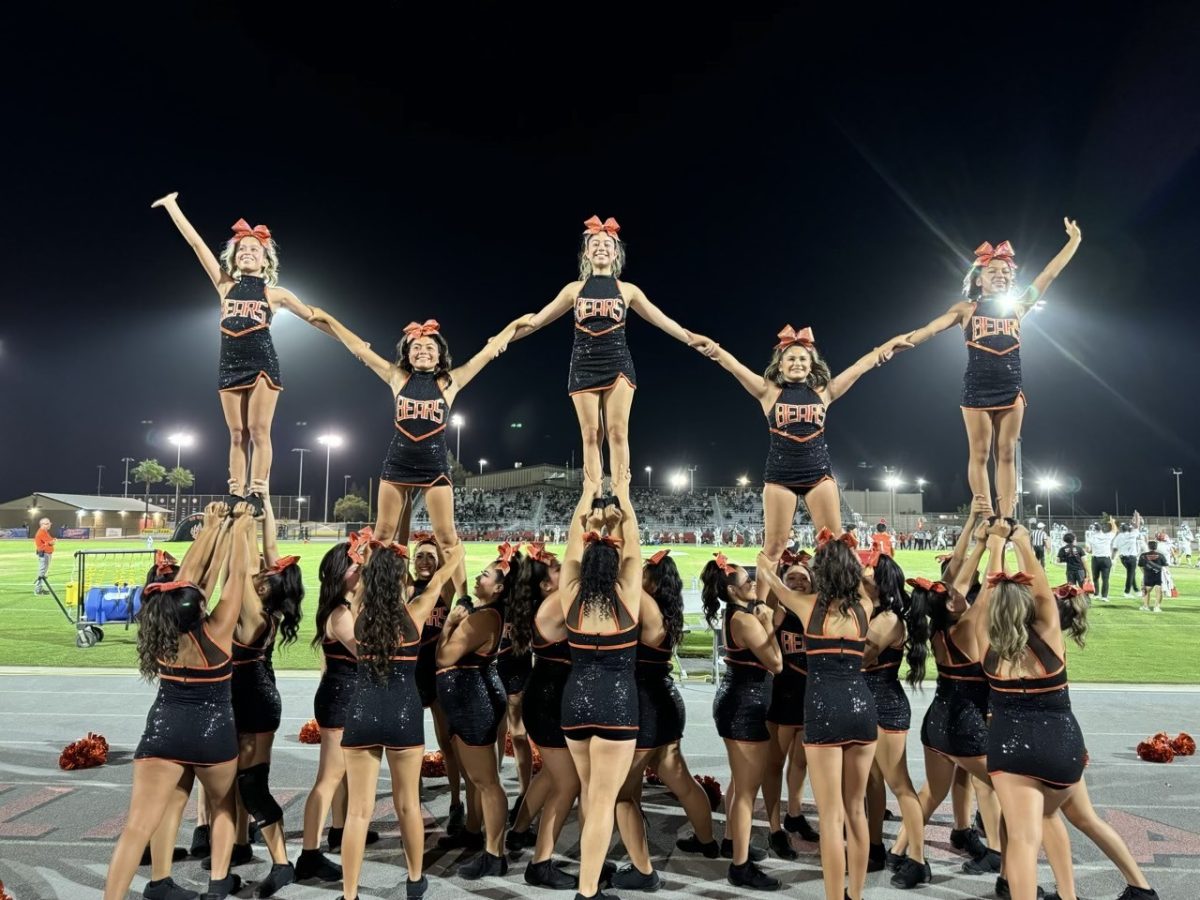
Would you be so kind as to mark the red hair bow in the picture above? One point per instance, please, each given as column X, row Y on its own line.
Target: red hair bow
column 159, row 587
column 423, row 537
column 539, row 553
column 506, row 552
column 414, row 330
column 595, row 537
column 787, row 337
column 594, row 226
column 1015, row 577
column 658, row 556
column 723, row 563
column 164, row 562
column 1067, row 591
column 824, row 536
column 985, row 253
column 926, row 585
column 242, row 229
column 284, row 562
column 359, row 539
column 868, row 558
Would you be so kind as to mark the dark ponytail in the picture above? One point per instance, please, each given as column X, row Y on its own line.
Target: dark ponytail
column 927, row 614
column 836, row 576
column 518, row 605
column 335, row 564
column 714, row 591
column 889, row 584
column 283, row 601
column 384, row 616
column 526, row 598
column 666, row 587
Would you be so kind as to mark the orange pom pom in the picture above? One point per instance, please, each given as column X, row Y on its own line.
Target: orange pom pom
column 433, row 765
column 537, row 758
column 508, row 747
column 85, row 753
column 4, row 895
column 310, row 732
column 652, row 776
column 712, row 787
column 1184, row 744
column 1157, row 749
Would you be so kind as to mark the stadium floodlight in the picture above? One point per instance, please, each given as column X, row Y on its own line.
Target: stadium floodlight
column 482, row 463
column 649, row 469
column 921, row 482
column 891, row 482
column 330, row 441
column 743, row 480
column 1048, row 483
column 679, row 481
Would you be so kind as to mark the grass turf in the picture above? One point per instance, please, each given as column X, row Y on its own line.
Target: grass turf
column 1124, row 644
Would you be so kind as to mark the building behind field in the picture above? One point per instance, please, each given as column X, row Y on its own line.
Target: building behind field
column 79, row 515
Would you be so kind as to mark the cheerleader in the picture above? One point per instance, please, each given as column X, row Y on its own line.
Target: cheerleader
column 247, row 281
column 424, row 386
column 189, row 730
column 600, row 594
column 602, row 379
column 385, row 711
column 794, row 392
column 840, row 722
column 993, row 402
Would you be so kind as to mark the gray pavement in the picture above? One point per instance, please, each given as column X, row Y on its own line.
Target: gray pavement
column 57, row 828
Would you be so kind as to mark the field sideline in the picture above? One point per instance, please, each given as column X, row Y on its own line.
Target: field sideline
column 1124, row 644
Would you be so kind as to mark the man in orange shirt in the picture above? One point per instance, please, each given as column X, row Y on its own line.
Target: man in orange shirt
column 882, row 541
column 44, row 543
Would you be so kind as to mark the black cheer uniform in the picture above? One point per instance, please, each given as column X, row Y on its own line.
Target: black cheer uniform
column 386, row 712
column 787, row 692
column 247, row 351
column 838, row 706
column 601, row 698
column 600, row 354
column 191, row 720
column 993, row 376
column 956, row 722
column 1033, row 731
column 541, row 709
column 798, row 457
column 427, row 658
column 514, row 668
column 470, row 690
column 891, row 702
column 416, row 457
column 257, row 708
column 661, row 713
column 744, row 694
column 336, row 689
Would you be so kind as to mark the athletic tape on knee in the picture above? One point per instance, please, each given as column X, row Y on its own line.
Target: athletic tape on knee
column 254, row 786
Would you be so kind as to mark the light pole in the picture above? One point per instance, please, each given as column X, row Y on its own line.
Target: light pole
column 180, row 439
column 692, row 479
column 482, row 463
column 1178, row 496
column 99, row 478
column 891, row 481
column 330, row 441
column 345, row 485
column 300, row 483
column 649, row 470
column 1048, row 484
column 127, row 460
column 458, row 422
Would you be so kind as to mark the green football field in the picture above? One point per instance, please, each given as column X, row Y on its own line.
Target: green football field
column 1124, row 644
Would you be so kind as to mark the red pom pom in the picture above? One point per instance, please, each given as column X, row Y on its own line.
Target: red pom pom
column 433, row 765
column 508, row 747
column 651, row 776
column 310, row 732
column 85, row 753
column 1184, row 744
column 1087, row 759
column 537, row 758
column 1157, row 749
column 4, row 895
column 712, row 787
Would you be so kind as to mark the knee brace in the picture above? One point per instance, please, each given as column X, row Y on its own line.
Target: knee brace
column 254, row 787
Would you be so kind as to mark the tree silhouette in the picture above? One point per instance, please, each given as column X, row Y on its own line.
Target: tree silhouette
column 148, row 472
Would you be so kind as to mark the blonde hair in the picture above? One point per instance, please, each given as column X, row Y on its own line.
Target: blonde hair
column 585, row 264
column 1011, row 614
column 270, row 270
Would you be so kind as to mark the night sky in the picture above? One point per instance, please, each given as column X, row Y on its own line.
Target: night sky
column 767, row 169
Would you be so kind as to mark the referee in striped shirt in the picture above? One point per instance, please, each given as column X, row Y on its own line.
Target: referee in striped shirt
column 1037, row 538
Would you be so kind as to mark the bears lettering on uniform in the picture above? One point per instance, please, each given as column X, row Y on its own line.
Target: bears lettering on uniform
column 587, row 308
column 805, row 413
column 437, row 618
column 427, row 410
column 791, row 643
column 254, row 310
column 985, row 326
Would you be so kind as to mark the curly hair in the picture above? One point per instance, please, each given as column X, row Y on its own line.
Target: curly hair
column 163, row 617
column 585, row 264
column 714, row 591
column 1072, row 616
column 270, row 269
column 335, row 565
column 598, row 571
column 444, row 363
column 889, row 583
column 836, row 576
column 283, row 600
column 524, row 600
column 1011, row 614
column 383, row 620
column 819, row 374
column 662, row 582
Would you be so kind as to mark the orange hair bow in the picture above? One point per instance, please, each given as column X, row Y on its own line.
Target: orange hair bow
column 423, row 537
column 925, row 584
column 284, row 562
column 868, row 558
column 824, row 536
column 787, row 337
column 658, row 556
column 399, row 549
column 159, row 586
column 539, row 553
column 1067, row 591
column 164, row 562
column 506, row 552
column 594, row 226
column 595, row 537
column 358, row 539
column 414, row 330
column 723, row 563
column 985, row 253
column 1015, row 577
column 242, row 229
